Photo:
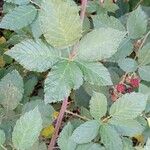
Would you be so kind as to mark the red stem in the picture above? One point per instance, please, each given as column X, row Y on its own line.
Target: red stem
column 58, row 124
column 83, row 9
column 65, row 102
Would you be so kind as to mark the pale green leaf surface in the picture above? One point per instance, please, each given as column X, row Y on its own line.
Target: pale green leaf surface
column 45, row 110
column 98, row 105
column 124, row 50
column 137, row 23
column 127, row 127
column 95, row 73
column 144, row 55
column 86, row 132
column 27, row 130
column 18, row 18
column 64, row 136
column 19, row 2
column 60, row 23
column 34, row 55
column 35, row 28
column 147, row 146
column 127, row 144
column 99, row 44
column 129, row 106
column 11, row 90
column 2, row 137
column 110, row 138
column 63, row 77
column 90, row 146
column 103, row 20
column 144, row 72
column 128, row 65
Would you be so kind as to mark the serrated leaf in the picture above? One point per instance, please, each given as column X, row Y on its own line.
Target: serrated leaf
column 95, row 73
column 63, row 77
column 38, row 146
column 35, row 28
column 89, row 131
column 11, row 90
column 127, row 144
column 34, row 55
column 129, row 106
column 128, row 65
column 144, row 55
column 18, row 18
column 144, row 72
column 137, row 23
column 127, row 127
column 45, row 110
column 19, row 2
column 90, row 146
column 145, row 90
column 103, row 20
column 124, row 50
column 2, row 137
column 110, row 138
column 99, row 44
column 27, row 129
column 98, row 105
column 147, row 146
column 65, row 136
column 60, row 30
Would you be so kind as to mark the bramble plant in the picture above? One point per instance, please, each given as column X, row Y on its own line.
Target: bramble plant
column 75, row 75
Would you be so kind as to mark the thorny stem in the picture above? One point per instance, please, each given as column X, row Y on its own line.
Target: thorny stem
column 58, row 124
column 65, row 102
column 82, row 15
column 76, row 115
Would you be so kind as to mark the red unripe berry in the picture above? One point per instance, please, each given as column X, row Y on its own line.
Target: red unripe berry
column 135, row 82
column 120, row 88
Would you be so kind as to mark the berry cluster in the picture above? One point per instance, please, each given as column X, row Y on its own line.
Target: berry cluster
column 129, row 85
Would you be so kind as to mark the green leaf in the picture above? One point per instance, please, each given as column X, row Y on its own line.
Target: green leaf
column 27, row 130
column 18, row 18
column 129, row 106
column 19, row 2
column 137, row 23
column 144, row 72
column 127, row 144
column 63, row 77
column 103, row 20
column 90, row 146
column 45, row 110
column 95, row 73
column 147, row 146
column 144, row 55
column 128, row 65
column 2, row 137
column 64, row 136
column 11, row 90
column 60, row 29
column 110, row 138
column 124, row 50
column 145, row 90
column 86, row 132
column 99, row 44
column 98, row 105
column 34, row 55
column 127, row 127
column 36, row 29
column 38, row 146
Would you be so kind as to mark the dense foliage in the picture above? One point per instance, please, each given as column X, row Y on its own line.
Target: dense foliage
column 75, row 75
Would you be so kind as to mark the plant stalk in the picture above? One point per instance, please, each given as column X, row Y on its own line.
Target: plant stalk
column 58, row 124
